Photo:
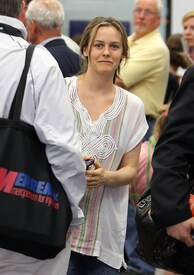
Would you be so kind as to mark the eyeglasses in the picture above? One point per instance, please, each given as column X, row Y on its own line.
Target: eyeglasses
column 146, row 12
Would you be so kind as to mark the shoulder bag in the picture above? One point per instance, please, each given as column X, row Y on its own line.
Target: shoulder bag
column 34, row 209
column 155, row 247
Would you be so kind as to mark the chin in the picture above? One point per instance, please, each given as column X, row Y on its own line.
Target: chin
column 141, row 30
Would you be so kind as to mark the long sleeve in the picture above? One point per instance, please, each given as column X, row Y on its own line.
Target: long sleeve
column 173, row 156
column 54, row 123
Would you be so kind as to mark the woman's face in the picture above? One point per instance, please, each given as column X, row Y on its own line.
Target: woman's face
column 105, row 52
column 188, row 31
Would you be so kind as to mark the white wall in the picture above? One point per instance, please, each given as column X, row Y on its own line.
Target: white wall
column 88, row 9
column 179, row 8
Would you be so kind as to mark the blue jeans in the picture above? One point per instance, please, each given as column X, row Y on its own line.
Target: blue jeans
column 132, row 259
column 88, row 265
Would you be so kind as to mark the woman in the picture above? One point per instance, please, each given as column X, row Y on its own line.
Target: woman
column 188, row 35
column 111, row 123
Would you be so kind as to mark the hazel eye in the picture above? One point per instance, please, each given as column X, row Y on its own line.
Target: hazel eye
column 114, row 46
column 98, row 45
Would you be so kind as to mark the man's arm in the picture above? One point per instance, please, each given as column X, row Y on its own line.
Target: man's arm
column 173, row 155
column 55, row 125
column 142, row 64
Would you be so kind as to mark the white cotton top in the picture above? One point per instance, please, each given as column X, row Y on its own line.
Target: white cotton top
column 47, row 107
column 117, row 131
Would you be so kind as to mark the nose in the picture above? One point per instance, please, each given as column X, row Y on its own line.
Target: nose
column 142, row 13
column 106, row 50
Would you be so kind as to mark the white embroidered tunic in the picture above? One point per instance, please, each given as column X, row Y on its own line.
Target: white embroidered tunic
column 116, row 132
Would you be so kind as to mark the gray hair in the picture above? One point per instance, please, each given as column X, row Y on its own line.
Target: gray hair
column 10, row 8
column 159, row 5
column 49, row 14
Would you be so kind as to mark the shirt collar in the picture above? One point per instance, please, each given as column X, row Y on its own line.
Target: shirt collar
column 138, row 41
column 43, row 43
column 14, row 22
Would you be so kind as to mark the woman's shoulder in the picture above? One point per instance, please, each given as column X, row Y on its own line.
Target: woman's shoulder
column 70, row 80
column 130, row 96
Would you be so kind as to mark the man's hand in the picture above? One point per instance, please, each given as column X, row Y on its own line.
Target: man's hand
column 182, row 231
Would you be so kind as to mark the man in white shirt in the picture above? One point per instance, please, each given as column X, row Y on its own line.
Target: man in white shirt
column 47, row 107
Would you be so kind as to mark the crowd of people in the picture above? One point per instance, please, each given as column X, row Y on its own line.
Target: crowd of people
column 123, row 101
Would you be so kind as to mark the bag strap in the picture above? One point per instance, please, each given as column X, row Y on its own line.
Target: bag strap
column 150, row 146
column 16, row 106
column 148, row 165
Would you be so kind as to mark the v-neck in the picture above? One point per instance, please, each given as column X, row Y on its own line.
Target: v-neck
column 109, row 114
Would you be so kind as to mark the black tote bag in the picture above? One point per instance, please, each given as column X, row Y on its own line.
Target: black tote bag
column 34, row 209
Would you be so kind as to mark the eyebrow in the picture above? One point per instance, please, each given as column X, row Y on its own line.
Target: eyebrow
column 117, row 42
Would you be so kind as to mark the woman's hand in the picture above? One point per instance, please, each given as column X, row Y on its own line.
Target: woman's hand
column 124, row 175
column 95, row 178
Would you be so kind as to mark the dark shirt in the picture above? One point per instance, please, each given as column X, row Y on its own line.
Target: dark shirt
column 173, row 158
column 68, row 60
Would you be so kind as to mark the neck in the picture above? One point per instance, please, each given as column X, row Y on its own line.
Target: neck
column 99, row 81
column 96, row 83
column 44, row 35
column 139, row 35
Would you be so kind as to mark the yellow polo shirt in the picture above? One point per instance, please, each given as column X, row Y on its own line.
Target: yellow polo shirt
column 146, row 71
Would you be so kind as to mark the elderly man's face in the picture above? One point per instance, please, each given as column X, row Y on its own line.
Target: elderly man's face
column 146, row 17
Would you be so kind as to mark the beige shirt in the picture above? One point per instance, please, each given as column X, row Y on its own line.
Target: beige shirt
column 146, row 72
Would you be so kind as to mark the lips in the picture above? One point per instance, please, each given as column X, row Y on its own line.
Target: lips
column 105, row 61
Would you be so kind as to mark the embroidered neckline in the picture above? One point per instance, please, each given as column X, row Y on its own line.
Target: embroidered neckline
column 95, row 140
column 109, row 114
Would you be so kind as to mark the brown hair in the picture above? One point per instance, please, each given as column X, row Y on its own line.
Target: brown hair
column 160, row 125
column 10, row 8
column 90, row 33
column 174, row 42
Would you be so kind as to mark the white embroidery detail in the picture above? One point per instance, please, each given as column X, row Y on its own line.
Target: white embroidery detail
column 94, row 142
column 101, row 147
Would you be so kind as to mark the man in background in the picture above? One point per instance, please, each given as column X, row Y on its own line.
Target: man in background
column 47, row 107
column 44, row 21
column 70, row 42
column 146, row 71
column 173, row 165
column 145, row 74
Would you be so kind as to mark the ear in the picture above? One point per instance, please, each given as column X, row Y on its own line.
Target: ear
column 24, row 5
column 31, row 26
column 32, row 32
column 23, row 12
column 85, row 51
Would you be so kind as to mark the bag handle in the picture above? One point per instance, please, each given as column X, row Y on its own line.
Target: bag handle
column 16, row 106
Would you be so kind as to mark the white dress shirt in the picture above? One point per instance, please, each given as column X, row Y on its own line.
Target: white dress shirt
column 47, row 107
